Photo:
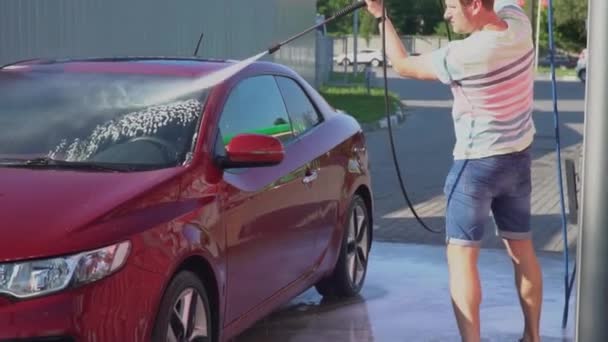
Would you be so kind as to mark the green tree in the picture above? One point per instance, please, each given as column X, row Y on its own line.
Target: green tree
column 367, row 26
column 340, row 26
column 409, row 16
column 425, row 17
column 570, row 17
column 415, row 17
column 570, row 24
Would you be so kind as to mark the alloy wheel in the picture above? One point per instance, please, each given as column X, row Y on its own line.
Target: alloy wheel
column 357, row 245
column 188, row 321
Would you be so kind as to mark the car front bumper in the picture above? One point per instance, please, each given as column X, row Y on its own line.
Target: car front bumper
column 118, row 308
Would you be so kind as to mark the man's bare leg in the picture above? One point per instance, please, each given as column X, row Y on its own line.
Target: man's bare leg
column 529, row 284
column 465, row 289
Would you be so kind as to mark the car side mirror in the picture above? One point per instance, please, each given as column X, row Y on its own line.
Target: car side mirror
column 252, row 150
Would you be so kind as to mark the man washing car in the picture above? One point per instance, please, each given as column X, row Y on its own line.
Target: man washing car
column 491, row 76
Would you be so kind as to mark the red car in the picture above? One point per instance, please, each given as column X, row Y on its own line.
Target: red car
column 138, row 203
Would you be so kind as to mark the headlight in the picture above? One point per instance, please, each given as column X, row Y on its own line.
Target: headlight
column 40, row 277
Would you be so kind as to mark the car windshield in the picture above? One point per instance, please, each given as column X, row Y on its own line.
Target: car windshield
column 93, row 118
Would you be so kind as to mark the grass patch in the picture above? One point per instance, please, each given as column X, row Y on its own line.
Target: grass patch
column 356, row 101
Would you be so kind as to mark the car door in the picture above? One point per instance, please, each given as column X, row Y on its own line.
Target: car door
column 306, row 121
column 265, row 209
column 365, row 56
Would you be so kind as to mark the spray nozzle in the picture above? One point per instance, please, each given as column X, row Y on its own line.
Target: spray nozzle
column 274, row 49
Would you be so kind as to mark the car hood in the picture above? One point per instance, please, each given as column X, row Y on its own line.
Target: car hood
column 43, row 212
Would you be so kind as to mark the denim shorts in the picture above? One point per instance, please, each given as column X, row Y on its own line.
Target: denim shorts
column 500, row 185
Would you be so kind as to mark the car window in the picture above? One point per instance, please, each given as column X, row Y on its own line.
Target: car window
column 97, row 117
column 302, row 112
column 255, row 106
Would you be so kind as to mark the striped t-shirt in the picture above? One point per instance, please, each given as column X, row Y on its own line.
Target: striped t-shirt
column 491, row 75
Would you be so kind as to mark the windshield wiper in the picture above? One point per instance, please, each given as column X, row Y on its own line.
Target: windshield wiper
column 46, row 162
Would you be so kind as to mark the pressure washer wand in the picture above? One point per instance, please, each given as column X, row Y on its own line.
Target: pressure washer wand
column 345, row 11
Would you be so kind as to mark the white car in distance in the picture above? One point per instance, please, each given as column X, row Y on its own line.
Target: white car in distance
column 372, row 57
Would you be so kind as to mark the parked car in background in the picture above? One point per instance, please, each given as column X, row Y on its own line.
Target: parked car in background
column 128, row 218
column 371, row 57
column 581, row 66
column 561, row 61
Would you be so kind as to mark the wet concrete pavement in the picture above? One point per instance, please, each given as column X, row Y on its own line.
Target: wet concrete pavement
column 406, row 298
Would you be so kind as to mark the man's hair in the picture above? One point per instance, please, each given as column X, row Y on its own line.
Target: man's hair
column 488, row 4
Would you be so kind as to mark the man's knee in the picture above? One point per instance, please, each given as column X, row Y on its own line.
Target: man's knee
column 462, row 255
column 520, row 250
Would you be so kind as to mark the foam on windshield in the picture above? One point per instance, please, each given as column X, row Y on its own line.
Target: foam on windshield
column 145, row 122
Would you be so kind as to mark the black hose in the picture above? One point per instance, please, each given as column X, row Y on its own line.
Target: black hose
column 390, row 128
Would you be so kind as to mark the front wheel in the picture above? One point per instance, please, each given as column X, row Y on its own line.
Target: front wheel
column 184, row 314
column 349, row 273
column 375, row 63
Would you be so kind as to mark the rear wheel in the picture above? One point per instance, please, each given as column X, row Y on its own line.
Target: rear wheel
column 184, row 314
column 375, row 63
column 349, row 273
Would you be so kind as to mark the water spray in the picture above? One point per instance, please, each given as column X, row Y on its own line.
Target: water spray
column 205, row 82
column 219, row 76
column 164, row 103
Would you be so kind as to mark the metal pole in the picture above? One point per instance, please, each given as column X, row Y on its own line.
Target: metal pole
column 345, row 57
column 592, row 284
column 538, row 12
column 355, row 36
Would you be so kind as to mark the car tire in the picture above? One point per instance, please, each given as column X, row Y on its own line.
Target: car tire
column 582, row 75
column 350, row 271
column 375, row 63
column 346, row 61
column 185, row 293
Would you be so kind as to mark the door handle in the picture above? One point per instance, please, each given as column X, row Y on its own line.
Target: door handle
column 310, row 177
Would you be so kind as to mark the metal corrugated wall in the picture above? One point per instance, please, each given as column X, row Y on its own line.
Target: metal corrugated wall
column 233, row 29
